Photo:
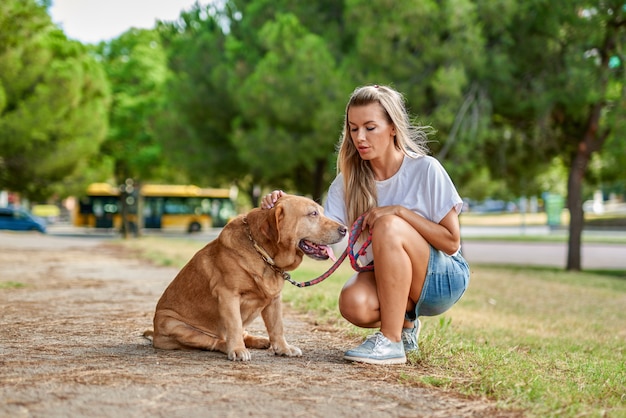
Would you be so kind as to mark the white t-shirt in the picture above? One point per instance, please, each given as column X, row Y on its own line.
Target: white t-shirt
column 421, row 185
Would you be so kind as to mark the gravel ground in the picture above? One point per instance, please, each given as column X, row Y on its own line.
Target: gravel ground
column 71, row 346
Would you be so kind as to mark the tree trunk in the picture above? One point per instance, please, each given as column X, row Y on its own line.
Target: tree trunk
column 254, row 192
column 575, row 206
column 318, row 180
column 591, row 142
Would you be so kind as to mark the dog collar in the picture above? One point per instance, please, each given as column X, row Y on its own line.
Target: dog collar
column 264, row 255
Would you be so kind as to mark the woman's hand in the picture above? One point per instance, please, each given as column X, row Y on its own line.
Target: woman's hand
column 267, row 202
column 375, row 213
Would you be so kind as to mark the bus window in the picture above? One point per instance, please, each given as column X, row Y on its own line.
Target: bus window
column 152, row 212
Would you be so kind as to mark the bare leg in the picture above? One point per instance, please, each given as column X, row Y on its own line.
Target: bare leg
column 381, row 299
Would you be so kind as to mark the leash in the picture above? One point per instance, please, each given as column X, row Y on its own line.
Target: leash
column 355, row 231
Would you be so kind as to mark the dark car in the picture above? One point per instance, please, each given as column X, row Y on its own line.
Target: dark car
column 17, row 219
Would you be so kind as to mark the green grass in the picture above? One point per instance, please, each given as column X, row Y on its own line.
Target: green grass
column 546, row 341
column 542, row 340
column 11, row 285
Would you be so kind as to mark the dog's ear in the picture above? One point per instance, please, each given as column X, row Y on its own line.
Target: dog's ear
column 268, row 223
column 279, row 214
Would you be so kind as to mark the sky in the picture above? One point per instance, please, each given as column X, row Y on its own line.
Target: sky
column 92, row 21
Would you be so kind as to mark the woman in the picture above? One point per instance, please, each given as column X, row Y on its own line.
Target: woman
column 411, row 208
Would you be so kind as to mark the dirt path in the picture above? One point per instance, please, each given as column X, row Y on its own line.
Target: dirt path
column 71, row 345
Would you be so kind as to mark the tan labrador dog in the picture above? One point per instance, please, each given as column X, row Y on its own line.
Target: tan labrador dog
column 239, row 275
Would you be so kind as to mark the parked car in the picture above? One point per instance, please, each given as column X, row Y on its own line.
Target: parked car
column 493, row 206
column 17, row 219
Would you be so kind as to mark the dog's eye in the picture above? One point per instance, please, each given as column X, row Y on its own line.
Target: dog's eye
column 314, row 213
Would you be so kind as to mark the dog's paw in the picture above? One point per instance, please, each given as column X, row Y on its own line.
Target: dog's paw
column 239, row 354
column 287, row 350
column 256, row 342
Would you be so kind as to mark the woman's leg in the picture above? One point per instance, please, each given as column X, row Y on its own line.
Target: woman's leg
column 358, row 301
column 381, row 298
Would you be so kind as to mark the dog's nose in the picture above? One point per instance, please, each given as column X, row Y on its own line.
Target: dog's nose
column 343, row 230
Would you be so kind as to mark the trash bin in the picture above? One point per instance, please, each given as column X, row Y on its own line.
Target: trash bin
column 554, row 207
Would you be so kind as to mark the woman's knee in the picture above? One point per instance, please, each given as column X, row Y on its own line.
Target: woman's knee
column 356, row 304
column 389, row 227
column 349, row 304
column 393, row 231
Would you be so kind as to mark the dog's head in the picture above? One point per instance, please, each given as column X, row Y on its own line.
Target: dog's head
column 296, row 226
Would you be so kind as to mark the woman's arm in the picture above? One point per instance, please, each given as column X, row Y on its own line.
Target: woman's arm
column 444, row 236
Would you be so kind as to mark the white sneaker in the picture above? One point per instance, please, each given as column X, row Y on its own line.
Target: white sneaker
column 410, row 336
column 377, row 349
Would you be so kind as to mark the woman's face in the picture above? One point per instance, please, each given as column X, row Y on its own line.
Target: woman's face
column 370, row 131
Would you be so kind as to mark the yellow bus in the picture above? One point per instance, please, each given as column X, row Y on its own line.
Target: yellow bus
column 164, row 206
column 99, row 208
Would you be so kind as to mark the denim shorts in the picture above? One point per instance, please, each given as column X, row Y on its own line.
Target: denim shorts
column 447, row 279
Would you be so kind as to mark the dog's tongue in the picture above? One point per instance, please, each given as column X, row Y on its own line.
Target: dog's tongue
column 330, row 252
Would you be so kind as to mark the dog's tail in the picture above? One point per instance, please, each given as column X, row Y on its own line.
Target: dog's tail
column 149, row 335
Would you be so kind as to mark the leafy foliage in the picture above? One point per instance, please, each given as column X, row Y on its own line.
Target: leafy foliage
column 284, row 106
column 252, row 92
column 197, row 109
column 135, row 64
column 557, row 95
column 53, row 102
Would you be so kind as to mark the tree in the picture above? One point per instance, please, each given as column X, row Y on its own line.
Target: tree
column 290, row 108
column 197, row 111
column 255, row 95
column 605, row 111
column 135, row 64
column 432, row 63
column 53, row 102
column 553, row 89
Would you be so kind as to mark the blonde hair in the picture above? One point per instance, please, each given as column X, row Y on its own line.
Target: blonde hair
column 358, row 179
